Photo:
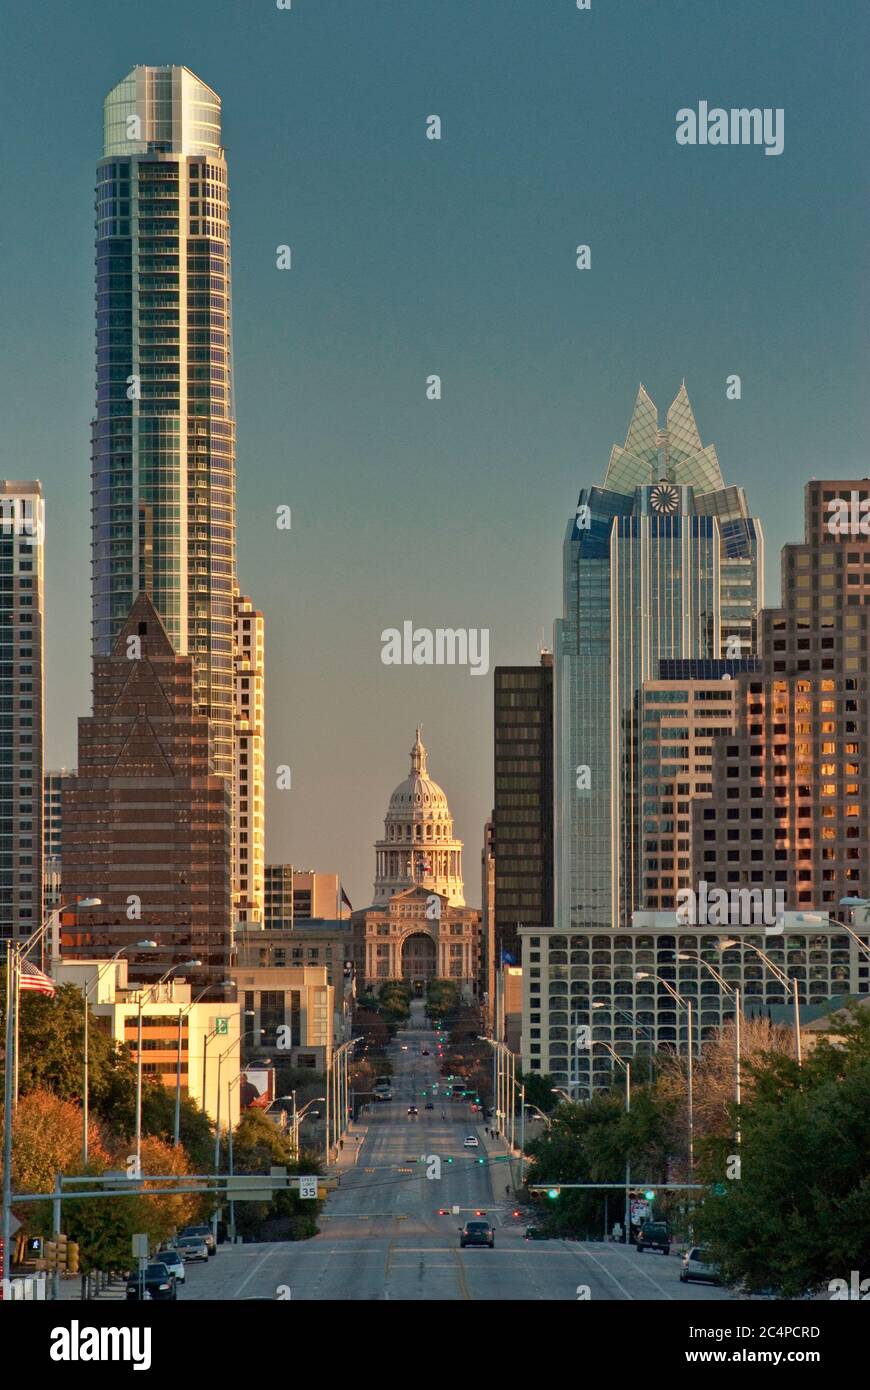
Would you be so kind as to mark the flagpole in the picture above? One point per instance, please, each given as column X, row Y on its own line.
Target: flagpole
column 11, row 990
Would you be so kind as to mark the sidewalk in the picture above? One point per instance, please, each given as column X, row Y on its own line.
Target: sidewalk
column 348, row 1157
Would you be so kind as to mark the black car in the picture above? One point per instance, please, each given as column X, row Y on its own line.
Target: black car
column 654, row 1235
column 535, row 1233
column 476, row 1233
column 412, row 1110
column 428, row 1105
column 155, row 1280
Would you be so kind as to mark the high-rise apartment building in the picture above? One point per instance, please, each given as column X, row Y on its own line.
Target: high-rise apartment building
column 523, row 803
column 790, row 806
column 22, row 533
column 146, row 825
column 301, row 895
column 663, row 562
column 163, row 449
column 249, row 833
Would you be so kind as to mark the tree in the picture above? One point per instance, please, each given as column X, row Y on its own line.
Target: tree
column 47, row 1139
column 258, row 1144
column 795, row 1214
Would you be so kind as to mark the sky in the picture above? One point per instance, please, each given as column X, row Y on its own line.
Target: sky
column 413, row 257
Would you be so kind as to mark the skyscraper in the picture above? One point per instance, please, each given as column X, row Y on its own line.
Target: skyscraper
column 662, row 562
column 22, row 529
column 163, row 449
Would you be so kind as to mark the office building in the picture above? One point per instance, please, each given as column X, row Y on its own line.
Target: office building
column 523, row 810
column 301, row 895
column 22, row 534
column 52, row 829
column 790, row 804
column 146, row 825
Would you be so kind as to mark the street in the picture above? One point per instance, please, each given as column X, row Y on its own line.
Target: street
column 381, row 1236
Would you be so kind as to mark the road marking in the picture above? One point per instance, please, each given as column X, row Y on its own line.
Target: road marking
column 463, row 1282
column 248, row 1277
column 638, row 1270
column 588, row 1254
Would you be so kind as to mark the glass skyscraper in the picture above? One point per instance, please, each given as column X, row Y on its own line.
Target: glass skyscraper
column 163, row 447
column 663, row 562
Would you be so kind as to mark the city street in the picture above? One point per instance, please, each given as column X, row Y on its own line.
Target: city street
column 382, row 1238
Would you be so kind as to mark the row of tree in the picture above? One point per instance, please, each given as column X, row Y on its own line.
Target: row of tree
column 788, row 1177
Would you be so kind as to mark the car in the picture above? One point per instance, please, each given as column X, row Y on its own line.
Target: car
column 476, row 1233
column 698, row 1264
column 404, row 1047
column 192, row 1248
column 654, row 1235
column 471, row 1141
column 425, row 1052
column 174, row 1263
column 412, row 1110
column 204, row 1232
column 155, row 1281
column 428, row 1105
column 535, row 1233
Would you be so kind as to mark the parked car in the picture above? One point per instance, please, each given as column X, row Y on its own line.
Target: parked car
column 476, row 1233
column 174, row 1263
column 155, row 1282
column 654, row 1235
column 192, row 1248
column 204, row 1232
column 471, row 1141
column 698, row 1264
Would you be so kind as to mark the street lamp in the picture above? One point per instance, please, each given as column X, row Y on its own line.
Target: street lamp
column 623, row 1062
column 222, row 984
column 297, row 1117
column 101, row 969
column 735, row 991
column 143, row 996
column 687, row 1005
column 726, row 945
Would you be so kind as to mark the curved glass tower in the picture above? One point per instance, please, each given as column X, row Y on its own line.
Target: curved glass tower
column 163, row 450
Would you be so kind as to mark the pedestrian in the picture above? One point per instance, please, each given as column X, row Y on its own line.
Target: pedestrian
column 341, row 1143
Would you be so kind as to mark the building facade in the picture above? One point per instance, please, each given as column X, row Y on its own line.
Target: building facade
column 523, row 812
column 53, row 783
column 790, row 805
column 163, row 447
column 22, row 534
column 146, row 825
column 300, row 895
column 249, row 810
column 288, row 1014
column 592, row 981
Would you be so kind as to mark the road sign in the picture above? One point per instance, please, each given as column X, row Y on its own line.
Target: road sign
column 308, row 1189
column 140, row 1246
column 249, row 1188
column 221, row 1026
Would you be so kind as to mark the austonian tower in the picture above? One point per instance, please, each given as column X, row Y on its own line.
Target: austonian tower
column 163, row 452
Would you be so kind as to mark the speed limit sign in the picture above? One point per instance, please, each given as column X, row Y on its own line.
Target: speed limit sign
column 308, row 1188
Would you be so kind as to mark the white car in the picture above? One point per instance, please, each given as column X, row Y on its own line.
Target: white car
column 471, row 1141
column 174, row 1263
column 698, row 1265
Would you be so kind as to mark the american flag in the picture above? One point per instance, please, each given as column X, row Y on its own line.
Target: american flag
column 29, row 977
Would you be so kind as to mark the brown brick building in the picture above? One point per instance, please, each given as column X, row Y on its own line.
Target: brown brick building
column 146, row 825
column 791, row 803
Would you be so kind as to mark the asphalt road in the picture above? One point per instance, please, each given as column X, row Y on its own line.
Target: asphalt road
column 381, row 1236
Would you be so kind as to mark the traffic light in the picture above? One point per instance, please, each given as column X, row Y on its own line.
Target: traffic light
column 72, row 1261
column 553, row 1193
column 448, row 1160
column 481, row 1160
column 650, row 1195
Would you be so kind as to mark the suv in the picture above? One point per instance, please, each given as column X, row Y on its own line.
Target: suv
column 654, row 1235
column 204, row 1232
column 476, row 1233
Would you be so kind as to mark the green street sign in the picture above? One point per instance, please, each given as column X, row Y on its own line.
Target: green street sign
column 221, row 1025
column 719, row 1189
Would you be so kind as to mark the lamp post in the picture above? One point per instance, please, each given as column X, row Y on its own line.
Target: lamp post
column 790, row 986
column 139, row 946
column 296, row 1118
column 735, row 991
column 223, row 984
column 687, row 1005
column 143, row 996
column 623, row 1062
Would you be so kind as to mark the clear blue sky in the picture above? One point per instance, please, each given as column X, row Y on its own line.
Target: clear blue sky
column 412, row 257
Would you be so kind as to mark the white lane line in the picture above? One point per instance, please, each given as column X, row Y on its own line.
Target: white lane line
column 648, row 1277
column 604, row 1270
column 258, row 1266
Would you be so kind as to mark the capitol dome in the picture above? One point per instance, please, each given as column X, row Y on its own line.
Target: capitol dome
column 418, row 846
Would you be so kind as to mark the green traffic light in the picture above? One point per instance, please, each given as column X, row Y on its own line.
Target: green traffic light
column 553, row 1193
column 650, row 1195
